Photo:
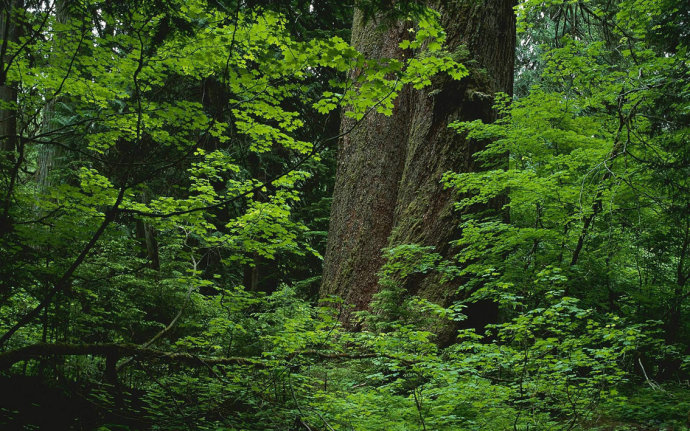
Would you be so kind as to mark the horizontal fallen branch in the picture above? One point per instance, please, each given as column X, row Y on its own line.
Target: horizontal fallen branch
column 114, row 351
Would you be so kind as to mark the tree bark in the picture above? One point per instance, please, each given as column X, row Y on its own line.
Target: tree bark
column 388, row 189
column 370, row 164
column 49, row 155
column 9, row 33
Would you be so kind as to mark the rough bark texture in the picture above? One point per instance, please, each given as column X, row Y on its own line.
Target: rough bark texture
column 388, row 189
column 48, row 159
column 9, row 33
column 370, row 164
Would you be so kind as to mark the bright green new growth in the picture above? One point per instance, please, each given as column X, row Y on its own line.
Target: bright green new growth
column 169, row 124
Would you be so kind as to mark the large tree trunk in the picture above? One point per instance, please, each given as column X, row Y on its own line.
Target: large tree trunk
column 370, row 165
column 388, row 189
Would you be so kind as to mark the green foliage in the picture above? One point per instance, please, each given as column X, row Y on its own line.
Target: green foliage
column 662, row 407
column 169, row 190
column 594, row 188
column 174, row 142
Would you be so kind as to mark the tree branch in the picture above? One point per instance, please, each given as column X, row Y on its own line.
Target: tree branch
column 113, row 350
column 64, row 280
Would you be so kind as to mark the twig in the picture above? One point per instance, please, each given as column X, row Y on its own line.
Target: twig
column 652, row 384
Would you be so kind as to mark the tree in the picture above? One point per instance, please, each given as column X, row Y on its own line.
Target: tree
column 166, row 114
column 157, row 274
column 388, row 189
column 598, row 172
column 10, row 29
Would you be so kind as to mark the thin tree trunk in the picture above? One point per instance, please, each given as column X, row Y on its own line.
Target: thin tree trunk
column 9, row 33
column 49, row 155
column 11, row 150
column 146, row 234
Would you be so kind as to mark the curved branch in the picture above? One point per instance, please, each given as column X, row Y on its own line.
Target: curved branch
column 64, row 280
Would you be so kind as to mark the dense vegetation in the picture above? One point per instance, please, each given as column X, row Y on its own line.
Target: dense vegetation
column 166, row 169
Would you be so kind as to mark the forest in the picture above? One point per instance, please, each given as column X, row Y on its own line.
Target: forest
column 327, row 215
